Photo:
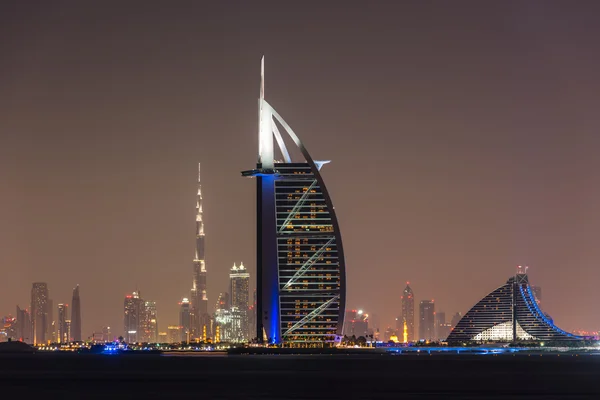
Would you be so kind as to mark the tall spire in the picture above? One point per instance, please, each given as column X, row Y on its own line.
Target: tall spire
column 199, row 222
column 199, row 299
column 262, row 77
column 265, row 125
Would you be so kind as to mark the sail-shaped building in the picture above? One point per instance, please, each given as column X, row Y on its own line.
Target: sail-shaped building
column 301, row 276
column 509, row 313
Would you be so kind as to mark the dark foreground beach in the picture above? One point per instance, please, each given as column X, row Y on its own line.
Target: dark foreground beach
column 369, row 376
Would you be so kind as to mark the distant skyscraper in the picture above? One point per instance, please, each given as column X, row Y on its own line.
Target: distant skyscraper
column 537, row 293
column 149, row 323
column 427, row 320
column 133, row 310
column 200, row 319
column 24, row 319
column 239, row 284
column 76, row 315
column 68, row 329
column 239, row 287
column 455, row 319
column 62, row 333
column 408, row 315
column 39, row 313
column 301, row 273
column 184, row 320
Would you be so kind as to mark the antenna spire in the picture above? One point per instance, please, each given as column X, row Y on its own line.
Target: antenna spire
column 262, row 77
column 199, row 220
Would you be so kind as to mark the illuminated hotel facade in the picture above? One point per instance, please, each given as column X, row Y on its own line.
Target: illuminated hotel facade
column 301, row 279
column 509, row 313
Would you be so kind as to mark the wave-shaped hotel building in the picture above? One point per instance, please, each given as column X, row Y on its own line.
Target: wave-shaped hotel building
column 301, row 276
column 509, row 313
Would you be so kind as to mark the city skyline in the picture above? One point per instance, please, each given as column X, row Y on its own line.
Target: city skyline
column 471, row 153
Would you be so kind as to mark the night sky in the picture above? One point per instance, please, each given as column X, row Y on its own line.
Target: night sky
column 463, row 138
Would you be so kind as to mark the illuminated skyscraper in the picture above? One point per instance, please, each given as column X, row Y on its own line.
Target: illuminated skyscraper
column 239, row 287
column 62, row 333
column 239, row 282
column 133, row 310
column 407, row 318
column 40, row 319
column 76, row 315
column 149, row 325
column 68, row 329
column 427, row 320
column 301, row 275
column 200, row 320
column 184, row 320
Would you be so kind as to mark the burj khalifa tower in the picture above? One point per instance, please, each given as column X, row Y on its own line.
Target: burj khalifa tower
column 200, row 318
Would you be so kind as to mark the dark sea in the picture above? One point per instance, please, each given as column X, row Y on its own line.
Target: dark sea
column 371, row 376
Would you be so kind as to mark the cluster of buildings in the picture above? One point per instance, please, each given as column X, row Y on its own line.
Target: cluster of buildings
column 425, row 324
column 232, row 321
column 140, row 319
column 42, row 324
column 432, row 325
